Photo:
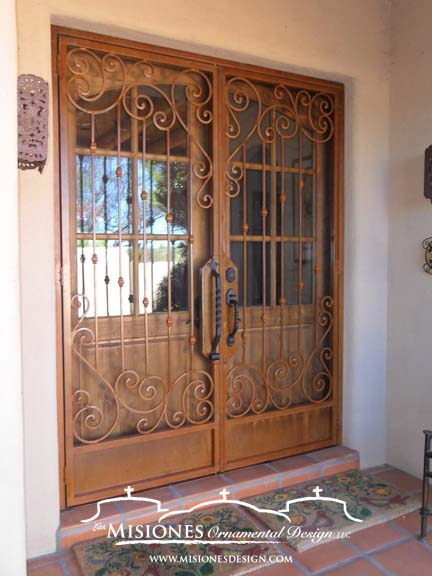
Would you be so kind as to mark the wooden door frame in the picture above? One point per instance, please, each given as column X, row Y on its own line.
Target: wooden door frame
column 295, row 80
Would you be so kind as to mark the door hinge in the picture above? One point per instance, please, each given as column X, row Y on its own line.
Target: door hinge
column 61, row 276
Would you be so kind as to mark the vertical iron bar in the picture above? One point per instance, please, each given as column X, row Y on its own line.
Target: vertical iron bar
column 169, row 219
column 151, row 231
column 105, row 193
column 192, row 339
column 282, row 299
column 316, row 198
column 144, row 201
column 264, row 262
column 244, row 229
column 300, row 185
column 135, row 203
column 131, row 201
column 82, row 258
column 120, row 234
column 94, row 257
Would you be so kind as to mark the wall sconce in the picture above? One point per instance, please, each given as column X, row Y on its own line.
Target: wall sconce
column 427, row 243
column 32, row 122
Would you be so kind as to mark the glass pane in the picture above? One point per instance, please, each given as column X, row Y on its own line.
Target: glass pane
column 236, row 213
column 292, row 272
column 157, row 197
column 254, row 277
column 254, row 200
column 292, row 153
column 156, row 276
column 105, row 126
column 106, row 299
column 291, row 212
column 106, row 195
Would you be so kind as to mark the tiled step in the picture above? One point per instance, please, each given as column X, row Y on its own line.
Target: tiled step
column 240, row 483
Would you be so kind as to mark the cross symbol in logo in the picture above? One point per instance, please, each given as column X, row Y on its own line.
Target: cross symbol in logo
column 224, row 493
column 317, row 491
column 128, row 491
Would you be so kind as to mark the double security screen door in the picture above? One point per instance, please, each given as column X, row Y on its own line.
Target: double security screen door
column 201, row 246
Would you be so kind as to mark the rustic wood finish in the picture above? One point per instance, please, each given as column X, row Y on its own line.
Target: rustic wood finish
column 259, row 155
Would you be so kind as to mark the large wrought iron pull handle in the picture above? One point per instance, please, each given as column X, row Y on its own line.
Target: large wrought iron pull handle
column 214, row 353
column 231, row 300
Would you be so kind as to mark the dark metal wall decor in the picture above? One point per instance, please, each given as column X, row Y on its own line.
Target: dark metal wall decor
column 32, row 122
column 428, row 173
column 427, row 245
column 427, row 242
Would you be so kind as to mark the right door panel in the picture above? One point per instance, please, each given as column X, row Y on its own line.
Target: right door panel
column 280, row 167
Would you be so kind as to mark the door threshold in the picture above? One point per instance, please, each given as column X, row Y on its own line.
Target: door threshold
column 241, row 483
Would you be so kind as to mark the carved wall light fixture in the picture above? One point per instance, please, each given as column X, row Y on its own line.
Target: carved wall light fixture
column 32, row 122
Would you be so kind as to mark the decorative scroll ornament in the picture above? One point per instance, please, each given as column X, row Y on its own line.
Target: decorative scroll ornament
column 148, row 399
column 254, row 391
column 427, row 245
column 138, row 93
column 32, row 122
column 291, row 113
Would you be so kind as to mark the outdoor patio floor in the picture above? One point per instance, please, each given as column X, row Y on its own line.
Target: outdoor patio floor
column 391, row 548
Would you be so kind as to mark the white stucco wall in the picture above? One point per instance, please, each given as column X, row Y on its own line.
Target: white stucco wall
column 410, row 288
column 346, row 41
column 12, row 527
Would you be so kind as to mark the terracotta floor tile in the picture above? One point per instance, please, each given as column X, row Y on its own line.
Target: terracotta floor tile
column 49, row 570
column 406, row 559
column 325, row 555
column 72, row 567
column 246, row 491
column 375, row 537
column 212, row 484
column 42, row 561
column 332, row 453
column 340, row 467
column 279, row 570
column 299, row 478
column 69, row 540
column 376, row 469
column 72, row 518
column 292, row 464
column 249, row 474
column 401, row 479
column 357, row 568
column 410, row 522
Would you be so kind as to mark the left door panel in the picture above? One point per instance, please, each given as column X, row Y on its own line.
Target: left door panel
column 137, row 150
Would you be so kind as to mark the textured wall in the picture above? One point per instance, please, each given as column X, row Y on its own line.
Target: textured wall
column 12, row 529
column 409, row 389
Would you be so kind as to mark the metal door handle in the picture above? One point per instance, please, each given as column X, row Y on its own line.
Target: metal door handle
column 231, row 300
column 214, row 353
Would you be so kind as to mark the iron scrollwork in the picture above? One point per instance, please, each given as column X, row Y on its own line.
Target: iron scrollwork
column 291, row 113
column 427, row 245
column 147, row 398
column 266, row 117
column 254, row 391
column 100, row 84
